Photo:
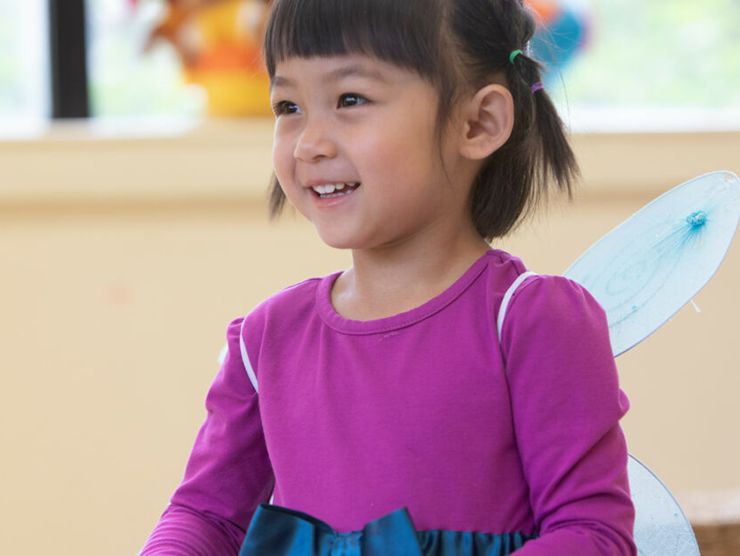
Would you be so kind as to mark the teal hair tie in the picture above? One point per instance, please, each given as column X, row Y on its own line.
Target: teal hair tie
column 513, row 55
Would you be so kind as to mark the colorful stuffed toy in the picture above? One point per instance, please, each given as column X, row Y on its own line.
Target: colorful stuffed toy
column 219, row 43
column 564, row 30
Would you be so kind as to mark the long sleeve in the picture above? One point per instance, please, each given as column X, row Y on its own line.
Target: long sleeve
column 227, row 475
column 566, row 404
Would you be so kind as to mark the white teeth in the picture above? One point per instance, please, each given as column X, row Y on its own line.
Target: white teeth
column 330, row 188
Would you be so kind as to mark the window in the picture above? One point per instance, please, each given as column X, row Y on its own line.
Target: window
column 125, row 81
column 665, row 65
column 24, row 83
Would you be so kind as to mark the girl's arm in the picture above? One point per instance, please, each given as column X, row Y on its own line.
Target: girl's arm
column 567, row 404
column 228, row 474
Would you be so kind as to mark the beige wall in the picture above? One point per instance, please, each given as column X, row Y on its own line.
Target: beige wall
column 123, row 261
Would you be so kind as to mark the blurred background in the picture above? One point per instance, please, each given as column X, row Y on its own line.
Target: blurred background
column 135, row 153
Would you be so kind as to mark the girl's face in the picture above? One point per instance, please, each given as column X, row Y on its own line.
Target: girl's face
column 353, row 119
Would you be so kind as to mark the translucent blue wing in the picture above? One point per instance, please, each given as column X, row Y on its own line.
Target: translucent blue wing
column 661, row 528
column 642, row 273
column 647, row 268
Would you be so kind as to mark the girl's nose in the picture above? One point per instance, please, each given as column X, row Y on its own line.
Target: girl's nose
column 314, row 143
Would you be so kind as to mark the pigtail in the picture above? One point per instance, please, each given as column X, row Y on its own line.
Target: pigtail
column 517, row 178
column 556, row 157
column 553, row 159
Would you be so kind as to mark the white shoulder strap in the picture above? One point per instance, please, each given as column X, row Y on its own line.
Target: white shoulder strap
column 245, row 358
column 507, row 297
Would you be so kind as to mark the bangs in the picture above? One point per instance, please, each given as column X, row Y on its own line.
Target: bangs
column 405, row 33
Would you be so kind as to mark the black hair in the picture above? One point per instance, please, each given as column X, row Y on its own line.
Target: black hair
column 457, row 46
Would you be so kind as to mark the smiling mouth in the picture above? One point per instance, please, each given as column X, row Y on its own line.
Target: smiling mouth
column 329, row 192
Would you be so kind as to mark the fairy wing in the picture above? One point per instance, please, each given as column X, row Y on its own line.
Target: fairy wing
column 642, row 273
column 661, row 528
column 647, row 268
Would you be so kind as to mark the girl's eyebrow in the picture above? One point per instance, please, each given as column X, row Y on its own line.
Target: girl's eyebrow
column 351, row 70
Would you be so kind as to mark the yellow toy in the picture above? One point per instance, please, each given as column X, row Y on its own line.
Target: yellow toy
column 220, row 45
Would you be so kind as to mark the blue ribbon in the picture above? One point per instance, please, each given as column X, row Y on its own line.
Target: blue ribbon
column 278, row 531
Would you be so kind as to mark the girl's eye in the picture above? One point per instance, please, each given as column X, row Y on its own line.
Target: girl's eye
column 352, row 99
column 284, row 107
column 348, row 99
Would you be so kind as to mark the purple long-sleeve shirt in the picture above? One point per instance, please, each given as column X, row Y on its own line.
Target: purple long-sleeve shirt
column 349, row 420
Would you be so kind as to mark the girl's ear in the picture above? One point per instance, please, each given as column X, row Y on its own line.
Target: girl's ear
column 488, row 118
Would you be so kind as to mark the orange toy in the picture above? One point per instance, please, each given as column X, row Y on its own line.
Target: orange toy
column 546, row 10
column 219, row 44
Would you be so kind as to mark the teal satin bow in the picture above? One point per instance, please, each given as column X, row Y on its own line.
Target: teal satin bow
column 279, row 531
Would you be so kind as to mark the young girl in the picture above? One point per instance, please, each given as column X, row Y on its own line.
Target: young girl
column 435, row 398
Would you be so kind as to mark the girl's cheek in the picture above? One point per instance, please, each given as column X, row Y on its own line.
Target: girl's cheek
column 283, row 142
column 281, row 153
